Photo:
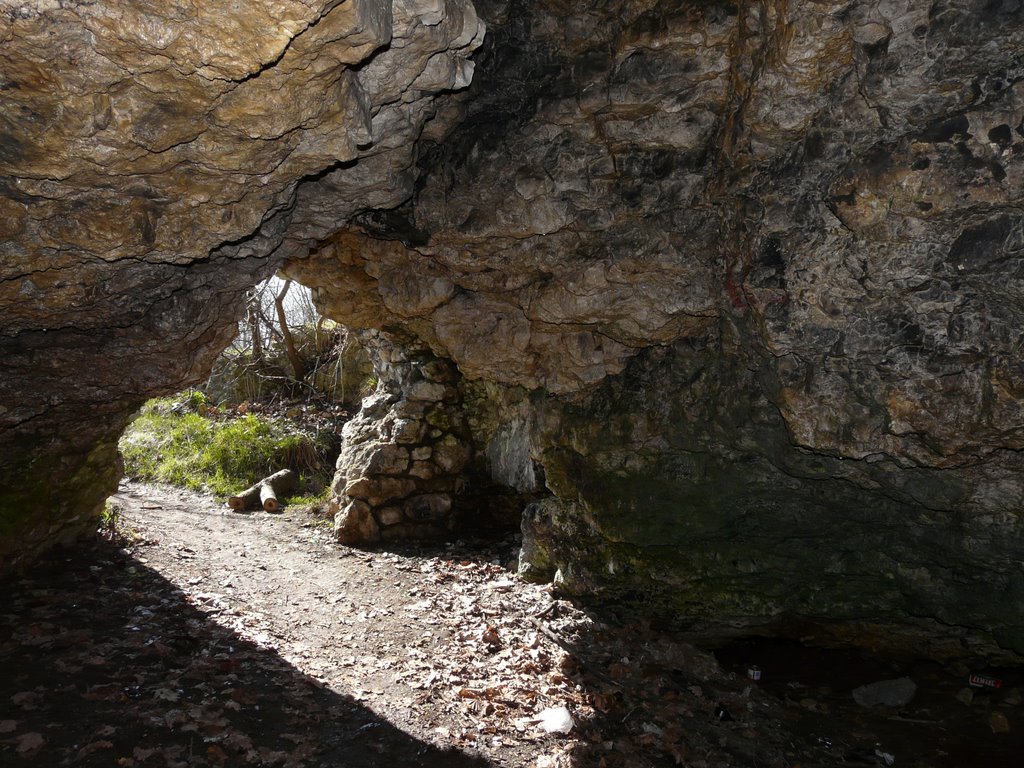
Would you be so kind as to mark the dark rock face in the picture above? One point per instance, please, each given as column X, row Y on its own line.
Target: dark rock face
column 740, row 284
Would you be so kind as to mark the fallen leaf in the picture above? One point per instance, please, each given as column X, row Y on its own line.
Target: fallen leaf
column 618, row 671
column 25, row 699
column 479, row 693
column 490, row 637
column 216, row 755
column 30, row 743
column 93, row 746
column 8, row 726
column 272, row 757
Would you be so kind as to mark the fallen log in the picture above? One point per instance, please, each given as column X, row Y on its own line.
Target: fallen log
column 279, row 482
column 269, row 498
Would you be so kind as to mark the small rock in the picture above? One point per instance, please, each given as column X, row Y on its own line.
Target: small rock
column 886, row 757
column 886, row 693
column 871, row 34
column 998, row 723
column 356, row 525
column 389, row 516
column 1012, row 698
column 556, row 720
column 965, row 696
column 426, row 390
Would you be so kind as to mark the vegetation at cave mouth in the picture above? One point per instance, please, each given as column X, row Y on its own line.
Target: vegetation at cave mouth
column 184, row 441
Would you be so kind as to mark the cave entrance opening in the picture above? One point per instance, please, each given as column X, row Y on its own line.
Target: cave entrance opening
column 274, row 404
column 277, row 399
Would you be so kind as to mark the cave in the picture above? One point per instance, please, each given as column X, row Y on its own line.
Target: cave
column 724, row 299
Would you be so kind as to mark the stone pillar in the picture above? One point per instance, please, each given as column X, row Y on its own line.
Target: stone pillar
column 403, row 454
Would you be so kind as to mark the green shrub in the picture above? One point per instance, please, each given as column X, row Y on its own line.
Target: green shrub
column 169, row 445
column 114, row 528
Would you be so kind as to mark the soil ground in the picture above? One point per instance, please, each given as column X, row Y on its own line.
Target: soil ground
column 209, row 638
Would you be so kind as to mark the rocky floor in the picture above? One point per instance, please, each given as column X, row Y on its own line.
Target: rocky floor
column 209, row 638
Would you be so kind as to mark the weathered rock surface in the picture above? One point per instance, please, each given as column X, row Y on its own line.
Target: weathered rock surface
column 886, row 693
column 156, row 159
column 767, row 259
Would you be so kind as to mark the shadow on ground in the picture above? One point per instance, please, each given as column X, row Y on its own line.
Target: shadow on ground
column 659, row 701
column 105, row 663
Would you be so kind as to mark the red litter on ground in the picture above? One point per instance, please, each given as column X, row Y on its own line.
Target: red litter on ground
column 983, row 681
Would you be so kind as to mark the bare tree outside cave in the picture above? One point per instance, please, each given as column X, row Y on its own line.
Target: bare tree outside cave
column 281, row 343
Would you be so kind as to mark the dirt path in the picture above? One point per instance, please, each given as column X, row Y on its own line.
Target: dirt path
column 219, row 639
column 389, row 630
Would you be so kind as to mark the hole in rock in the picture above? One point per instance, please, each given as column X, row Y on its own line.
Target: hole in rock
column 276, row 401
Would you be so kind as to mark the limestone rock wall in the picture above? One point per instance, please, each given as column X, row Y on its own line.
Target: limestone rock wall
column 157, row 159
column 760, row 265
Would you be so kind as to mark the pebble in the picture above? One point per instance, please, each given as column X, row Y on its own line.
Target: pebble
column 965, row 696
column 556, row 720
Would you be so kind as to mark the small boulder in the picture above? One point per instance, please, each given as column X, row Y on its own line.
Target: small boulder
column 886, row 693
column 355, row 524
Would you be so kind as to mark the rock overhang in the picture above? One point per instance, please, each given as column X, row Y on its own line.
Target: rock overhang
column 159, row 161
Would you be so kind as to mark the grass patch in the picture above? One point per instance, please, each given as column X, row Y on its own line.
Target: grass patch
column 114, row 528
column 168, row 443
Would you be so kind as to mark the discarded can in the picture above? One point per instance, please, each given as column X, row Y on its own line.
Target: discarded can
column 754, row 673
column 983, row 681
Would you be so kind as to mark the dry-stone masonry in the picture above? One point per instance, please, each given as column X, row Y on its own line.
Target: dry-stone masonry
column 405, row 453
